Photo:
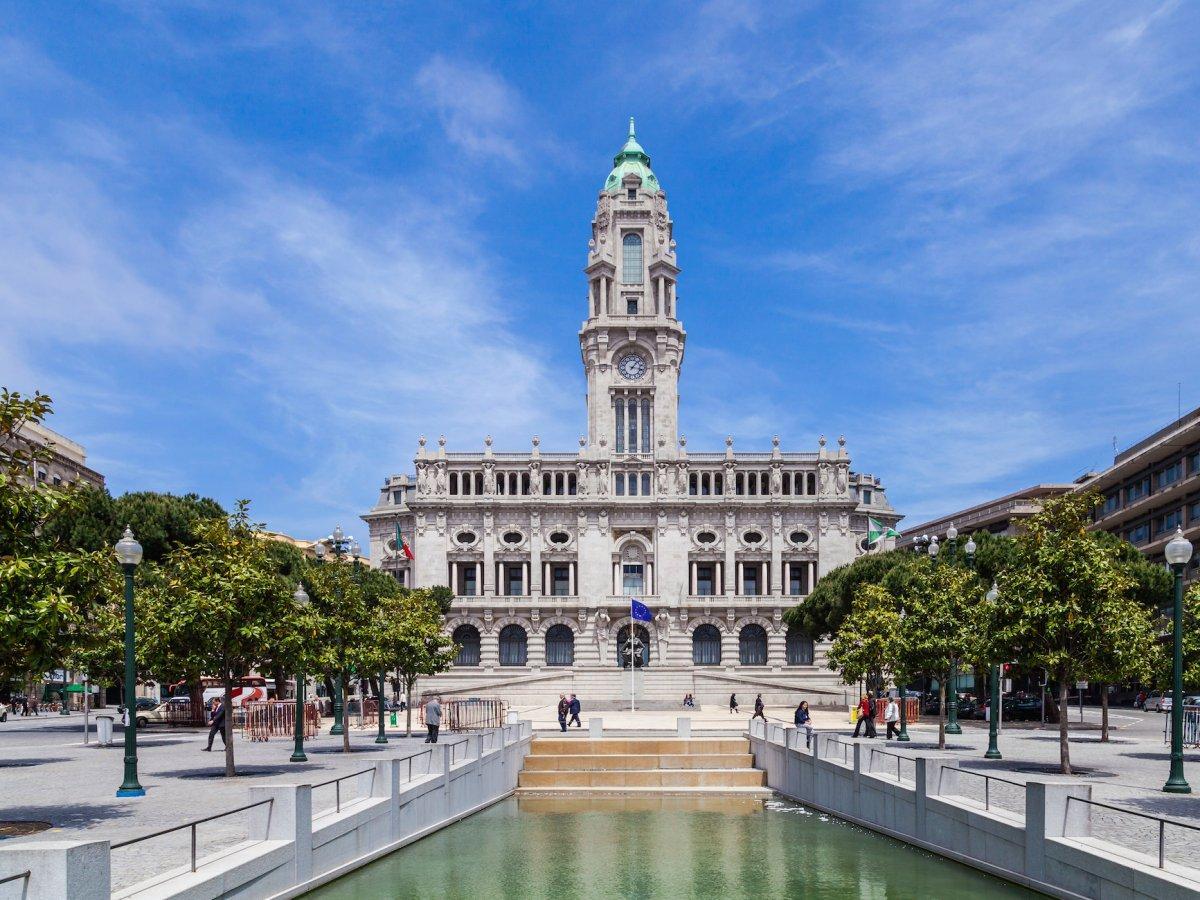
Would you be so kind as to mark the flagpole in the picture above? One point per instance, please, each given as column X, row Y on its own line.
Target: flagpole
column 632, row 677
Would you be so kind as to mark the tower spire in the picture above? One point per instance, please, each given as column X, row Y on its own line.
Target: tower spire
column 631, row 131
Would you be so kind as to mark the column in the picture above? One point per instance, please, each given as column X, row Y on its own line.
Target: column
column 812, row 575
column 776, row 568
column 787, row 577
column 693, row 586
column 525, row 585
column 659, row 308
column 454, row 578
column 616, row 591
column 571, row 578
column 650, row 578
column 739, row 584
column 671, row 310
column 719, row 579
column 478, row 579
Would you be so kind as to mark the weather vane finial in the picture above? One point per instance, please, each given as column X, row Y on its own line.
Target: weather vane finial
column 631, row 126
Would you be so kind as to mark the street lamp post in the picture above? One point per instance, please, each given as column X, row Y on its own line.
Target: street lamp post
column 336, row 539
column 1178, row 552
column 298, row 755
column 993, row 750
column 129, row 553
column 903, row 735
column 952, row 726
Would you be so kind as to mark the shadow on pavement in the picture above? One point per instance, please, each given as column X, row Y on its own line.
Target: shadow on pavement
column 40, row 761
column 243, row 771
column 1181, row 807
column 68, row 815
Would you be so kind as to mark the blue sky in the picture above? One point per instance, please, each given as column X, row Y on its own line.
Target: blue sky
column 254, row 252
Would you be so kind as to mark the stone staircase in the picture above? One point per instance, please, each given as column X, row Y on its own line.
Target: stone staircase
column 628, row 766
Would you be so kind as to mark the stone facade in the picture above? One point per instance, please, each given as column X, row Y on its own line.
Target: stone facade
column 543, row 550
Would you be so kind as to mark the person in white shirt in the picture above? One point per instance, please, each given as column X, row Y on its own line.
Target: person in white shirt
column 891, row 715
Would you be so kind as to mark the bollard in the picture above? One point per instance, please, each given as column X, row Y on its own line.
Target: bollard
column 595, row 728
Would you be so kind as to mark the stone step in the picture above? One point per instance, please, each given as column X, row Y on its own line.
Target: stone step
column 652, row 778
column 582, row 746
column 633, row 792
column 601, row 761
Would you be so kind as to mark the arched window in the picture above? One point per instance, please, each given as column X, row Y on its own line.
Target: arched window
column 560, row 646
column 706, row 646
column 641, row 647
column 631, row 269
column 467, row 638
column 512, row 646
column 752, row 646
column 799, row 648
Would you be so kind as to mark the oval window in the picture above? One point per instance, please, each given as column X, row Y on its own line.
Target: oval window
column 559, row 537
column 752, row 537
column 513, row 537
column 865, row 544
column 465, row 537
column 706, row 537
column 799, row 537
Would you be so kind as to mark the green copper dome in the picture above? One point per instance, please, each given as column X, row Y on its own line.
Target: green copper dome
column 631, row 159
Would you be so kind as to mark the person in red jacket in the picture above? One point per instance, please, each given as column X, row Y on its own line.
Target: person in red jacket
column 866, row 716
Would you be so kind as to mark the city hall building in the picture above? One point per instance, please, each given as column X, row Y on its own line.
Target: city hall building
column 543, row 549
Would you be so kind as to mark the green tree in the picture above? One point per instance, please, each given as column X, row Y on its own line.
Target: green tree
column 47, row 590
column 832, row 598
column 865, row 646
column 163, row 522
column 216, row 606
column 411, row 639
column 936, row 629
column 1065, row 602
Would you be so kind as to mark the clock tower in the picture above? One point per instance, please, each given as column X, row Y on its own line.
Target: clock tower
column 632, row 341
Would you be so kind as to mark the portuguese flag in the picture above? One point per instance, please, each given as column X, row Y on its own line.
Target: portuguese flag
column 876, row 531
column 402, row 544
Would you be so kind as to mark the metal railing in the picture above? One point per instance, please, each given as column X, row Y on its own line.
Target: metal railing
column 1159, row 820
column 846, row 749
column 337, row 786
column 987, row 787
column 471, row 713
column 19, row 876
column 191, row 825
column 900, row 760
column 1191, row 727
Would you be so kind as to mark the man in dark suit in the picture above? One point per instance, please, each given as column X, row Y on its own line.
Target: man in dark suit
column 218, row 723
column 574, row 708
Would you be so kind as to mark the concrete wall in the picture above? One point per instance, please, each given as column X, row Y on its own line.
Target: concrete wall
column 1046, row 844
column 290, row 849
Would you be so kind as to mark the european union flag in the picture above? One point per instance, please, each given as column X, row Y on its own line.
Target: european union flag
column 640, row 612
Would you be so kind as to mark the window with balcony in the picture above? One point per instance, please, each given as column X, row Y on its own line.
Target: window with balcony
column 796, row 579
column 560, row 580
column 1194, row 463
column 1137, row 490
column 705, row 585
column 1112, row 503
column 513, row 581
column 1168, row 522
column 469, row 587
column 750, row 580
column 619, row 484
column 631, row 306
column 1170, row 474
column 1194, row 512
column 1139, row 534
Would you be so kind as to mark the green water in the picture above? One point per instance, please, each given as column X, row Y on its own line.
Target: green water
column 667, row 847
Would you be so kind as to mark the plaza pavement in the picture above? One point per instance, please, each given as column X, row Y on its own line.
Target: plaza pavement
column 49, row 775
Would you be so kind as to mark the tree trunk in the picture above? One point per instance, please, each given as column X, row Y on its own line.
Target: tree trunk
column 230, row 771
column 1103, row 712
column 280, row 684
column 941, row 713
column 345, row 713
column 408, row 686
column 1064, row 748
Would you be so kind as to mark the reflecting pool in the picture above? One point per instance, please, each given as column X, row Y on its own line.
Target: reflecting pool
column 663, row 847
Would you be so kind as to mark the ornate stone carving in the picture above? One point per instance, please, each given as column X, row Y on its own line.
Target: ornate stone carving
column 681, row 478
column 840, row 480
column 776, row 481
column 535, row 478
column 602, row 479
column 489, row 478
column 441, row 479
column 582, row 486
column 664, row 480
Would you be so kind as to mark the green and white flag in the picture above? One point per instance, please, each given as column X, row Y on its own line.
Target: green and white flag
column 876, row 530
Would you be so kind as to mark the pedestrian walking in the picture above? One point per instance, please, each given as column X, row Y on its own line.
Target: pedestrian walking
column 732, row 704
column 891, row 715
column 217, row 725
column 564, row 708
column 575, row 707
column 759, row 709
column 433, row 719
column 866, row 716
column 804, row 720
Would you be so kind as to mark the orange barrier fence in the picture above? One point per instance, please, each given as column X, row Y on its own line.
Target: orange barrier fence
column 471, row 713
column 265, row 719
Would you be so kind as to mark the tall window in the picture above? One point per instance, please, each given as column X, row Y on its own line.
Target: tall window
column 561, row 576
column 706, row 646
column 646, row 425
column 796, row 579
column 631, row 269
column 467, row 638
column 469, row 588
column 752, row 646
column 560, row 646
column 620, row 426
column 750, row 580
column 799, row 648
column 633, row 425
column 512, row 646
column 513, row 573
column 704, row 581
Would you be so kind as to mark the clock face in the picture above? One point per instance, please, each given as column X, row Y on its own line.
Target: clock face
column 631, row 366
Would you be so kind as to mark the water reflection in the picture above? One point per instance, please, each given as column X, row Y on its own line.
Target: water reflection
column 661, row 847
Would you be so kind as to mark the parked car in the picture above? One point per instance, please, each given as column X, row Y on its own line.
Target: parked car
column 1154, row 701
column 160, row 713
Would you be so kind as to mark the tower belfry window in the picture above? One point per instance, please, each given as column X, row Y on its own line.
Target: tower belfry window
column 631, row 269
